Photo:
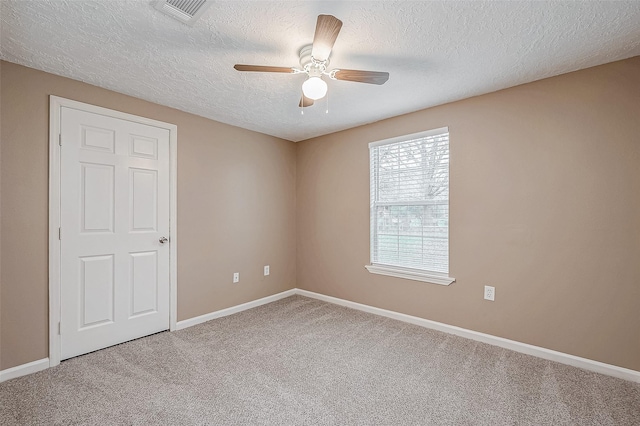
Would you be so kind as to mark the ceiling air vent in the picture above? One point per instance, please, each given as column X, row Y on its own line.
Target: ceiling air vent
column 185, row 11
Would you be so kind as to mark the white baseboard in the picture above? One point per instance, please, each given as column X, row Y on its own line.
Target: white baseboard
column 42, row 364
column 233, row 309
column 24, row 369
column 561, row 357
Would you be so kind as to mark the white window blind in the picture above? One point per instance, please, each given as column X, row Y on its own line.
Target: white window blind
column 410, row 202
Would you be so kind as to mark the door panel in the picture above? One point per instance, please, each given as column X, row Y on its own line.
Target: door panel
column 143, row 147
column 96, row 290
column 103, row 140
column 144, row 283
column 96, row 197
column 143, row 200
column 114, row 209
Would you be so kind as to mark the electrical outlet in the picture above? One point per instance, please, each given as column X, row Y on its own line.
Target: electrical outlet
column 489, row 293
column 266, row 270
column 236, row 277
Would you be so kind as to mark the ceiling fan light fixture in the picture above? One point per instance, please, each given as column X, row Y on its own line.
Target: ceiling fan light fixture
column 314, row 88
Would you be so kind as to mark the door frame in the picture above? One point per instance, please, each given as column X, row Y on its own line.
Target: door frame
column 56, row 103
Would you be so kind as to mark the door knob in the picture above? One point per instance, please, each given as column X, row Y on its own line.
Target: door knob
column 163, row 240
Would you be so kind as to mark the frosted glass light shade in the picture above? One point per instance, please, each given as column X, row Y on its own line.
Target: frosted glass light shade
column 314, row 88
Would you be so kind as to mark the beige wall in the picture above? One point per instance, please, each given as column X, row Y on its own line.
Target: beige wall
column 236, row 204
column 545, row 206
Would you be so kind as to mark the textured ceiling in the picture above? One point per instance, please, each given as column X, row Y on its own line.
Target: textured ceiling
column 435, row 52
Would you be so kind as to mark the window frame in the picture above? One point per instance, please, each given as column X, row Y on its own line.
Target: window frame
column 403, row 271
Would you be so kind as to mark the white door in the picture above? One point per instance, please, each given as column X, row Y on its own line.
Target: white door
column 114, row 217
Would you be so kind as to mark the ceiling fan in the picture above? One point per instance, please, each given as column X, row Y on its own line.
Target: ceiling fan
column 314, row 60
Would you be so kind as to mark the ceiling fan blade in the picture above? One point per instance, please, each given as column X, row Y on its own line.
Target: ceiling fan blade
column 305, row 102
column 371, row 77
column 327, row 29
column 262, row 68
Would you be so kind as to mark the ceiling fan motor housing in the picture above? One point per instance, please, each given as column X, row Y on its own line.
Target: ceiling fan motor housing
column 307, row 60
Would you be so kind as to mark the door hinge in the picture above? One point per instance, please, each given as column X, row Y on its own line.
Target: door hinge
column 60, row 139
column 59, row 233
column 60, row 327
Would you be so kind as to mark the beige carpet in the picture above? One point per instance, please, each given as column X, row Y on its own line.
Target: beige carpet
column 300, row 361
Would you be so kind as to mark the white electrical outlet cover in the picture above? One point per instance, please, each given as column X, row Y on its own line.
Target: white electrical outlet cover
column 489, row 293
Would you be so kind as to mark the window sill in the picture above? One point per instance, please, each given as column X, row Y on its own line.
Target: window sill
column 410, row 274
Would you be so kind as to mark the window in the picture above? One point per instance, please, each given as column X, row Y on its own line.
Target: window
column 410, row 207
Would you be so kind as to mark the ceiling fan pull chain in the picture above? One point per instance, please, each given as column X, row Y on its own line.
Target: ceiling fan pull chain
column 327, row 110
column 302, row 103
